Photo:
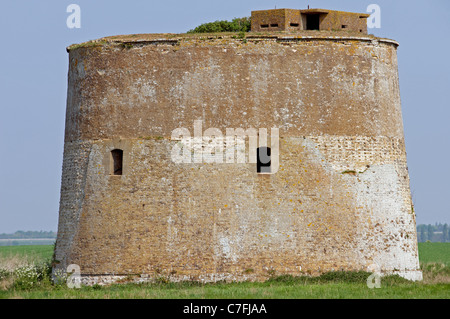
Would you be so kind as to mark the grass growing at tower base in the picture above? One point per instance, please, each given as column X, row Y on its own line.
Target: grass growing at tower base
column 434, row 258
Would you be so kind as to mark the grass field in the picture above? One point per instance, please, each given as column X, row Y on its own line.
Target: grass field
column 434, row 258
column 434, row 253
column 38, row 253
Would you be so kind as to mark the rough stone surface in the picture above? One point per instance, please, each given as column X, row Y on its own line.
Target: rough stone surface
column 296, row 20
column 339, row 201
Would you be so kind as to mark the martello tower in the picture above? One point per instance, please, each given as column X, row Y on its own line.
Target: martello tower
column 337, row 197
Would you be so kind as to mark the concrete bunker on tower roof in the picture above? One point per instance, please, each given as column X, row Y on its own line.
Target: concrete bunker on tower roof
column 309, row 19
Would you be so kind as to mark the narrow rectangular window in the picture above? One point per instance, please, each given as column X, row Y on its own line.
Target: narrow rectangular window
column 274, row 25
column 264, row 25
column 263, row 160
column 294, row 25
column 117, row 161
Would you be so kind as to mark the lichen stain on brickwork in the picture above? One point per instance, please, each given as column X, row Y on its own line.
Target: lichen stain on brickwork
column 340, row 199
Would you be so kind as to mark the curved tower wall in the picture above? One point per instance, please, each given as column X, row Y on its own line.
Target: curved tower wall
column 339, row 200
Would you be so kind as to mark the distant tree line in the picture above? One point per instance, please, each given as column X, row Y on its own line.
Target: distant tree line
column 235, row 25
column 20, row 234
column 434, row 233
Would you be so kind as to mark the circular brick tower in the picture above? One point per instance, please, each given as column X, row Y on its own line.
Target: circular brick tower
column 336, row 194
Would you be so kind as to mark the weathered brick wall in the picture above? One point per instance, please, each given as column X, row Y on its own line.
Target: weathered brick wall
column 336, row 20
column 282, row 17
column 329, row 20
column 340, row 199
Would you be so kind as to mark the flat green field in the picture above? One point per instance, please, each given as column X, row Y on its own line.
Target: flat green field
column 434, row 253
column 38, row 253
column 434, row 258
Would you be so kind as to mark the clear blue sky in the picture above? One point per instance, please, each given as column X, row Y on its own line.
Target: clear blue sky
column 33, row 88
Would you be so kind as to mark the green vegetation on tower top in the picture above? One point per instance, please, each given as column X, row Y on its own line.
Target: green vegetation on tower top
column 236, row 25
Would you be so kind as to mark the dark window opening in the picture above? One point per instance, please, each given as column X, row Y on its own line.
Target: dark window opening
column 264, row 25
column 360, row 31
column 344, row 26
column 263, row 160
column 274, row 25
column 117, row 157
column 294, row 25
column 312, row 21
